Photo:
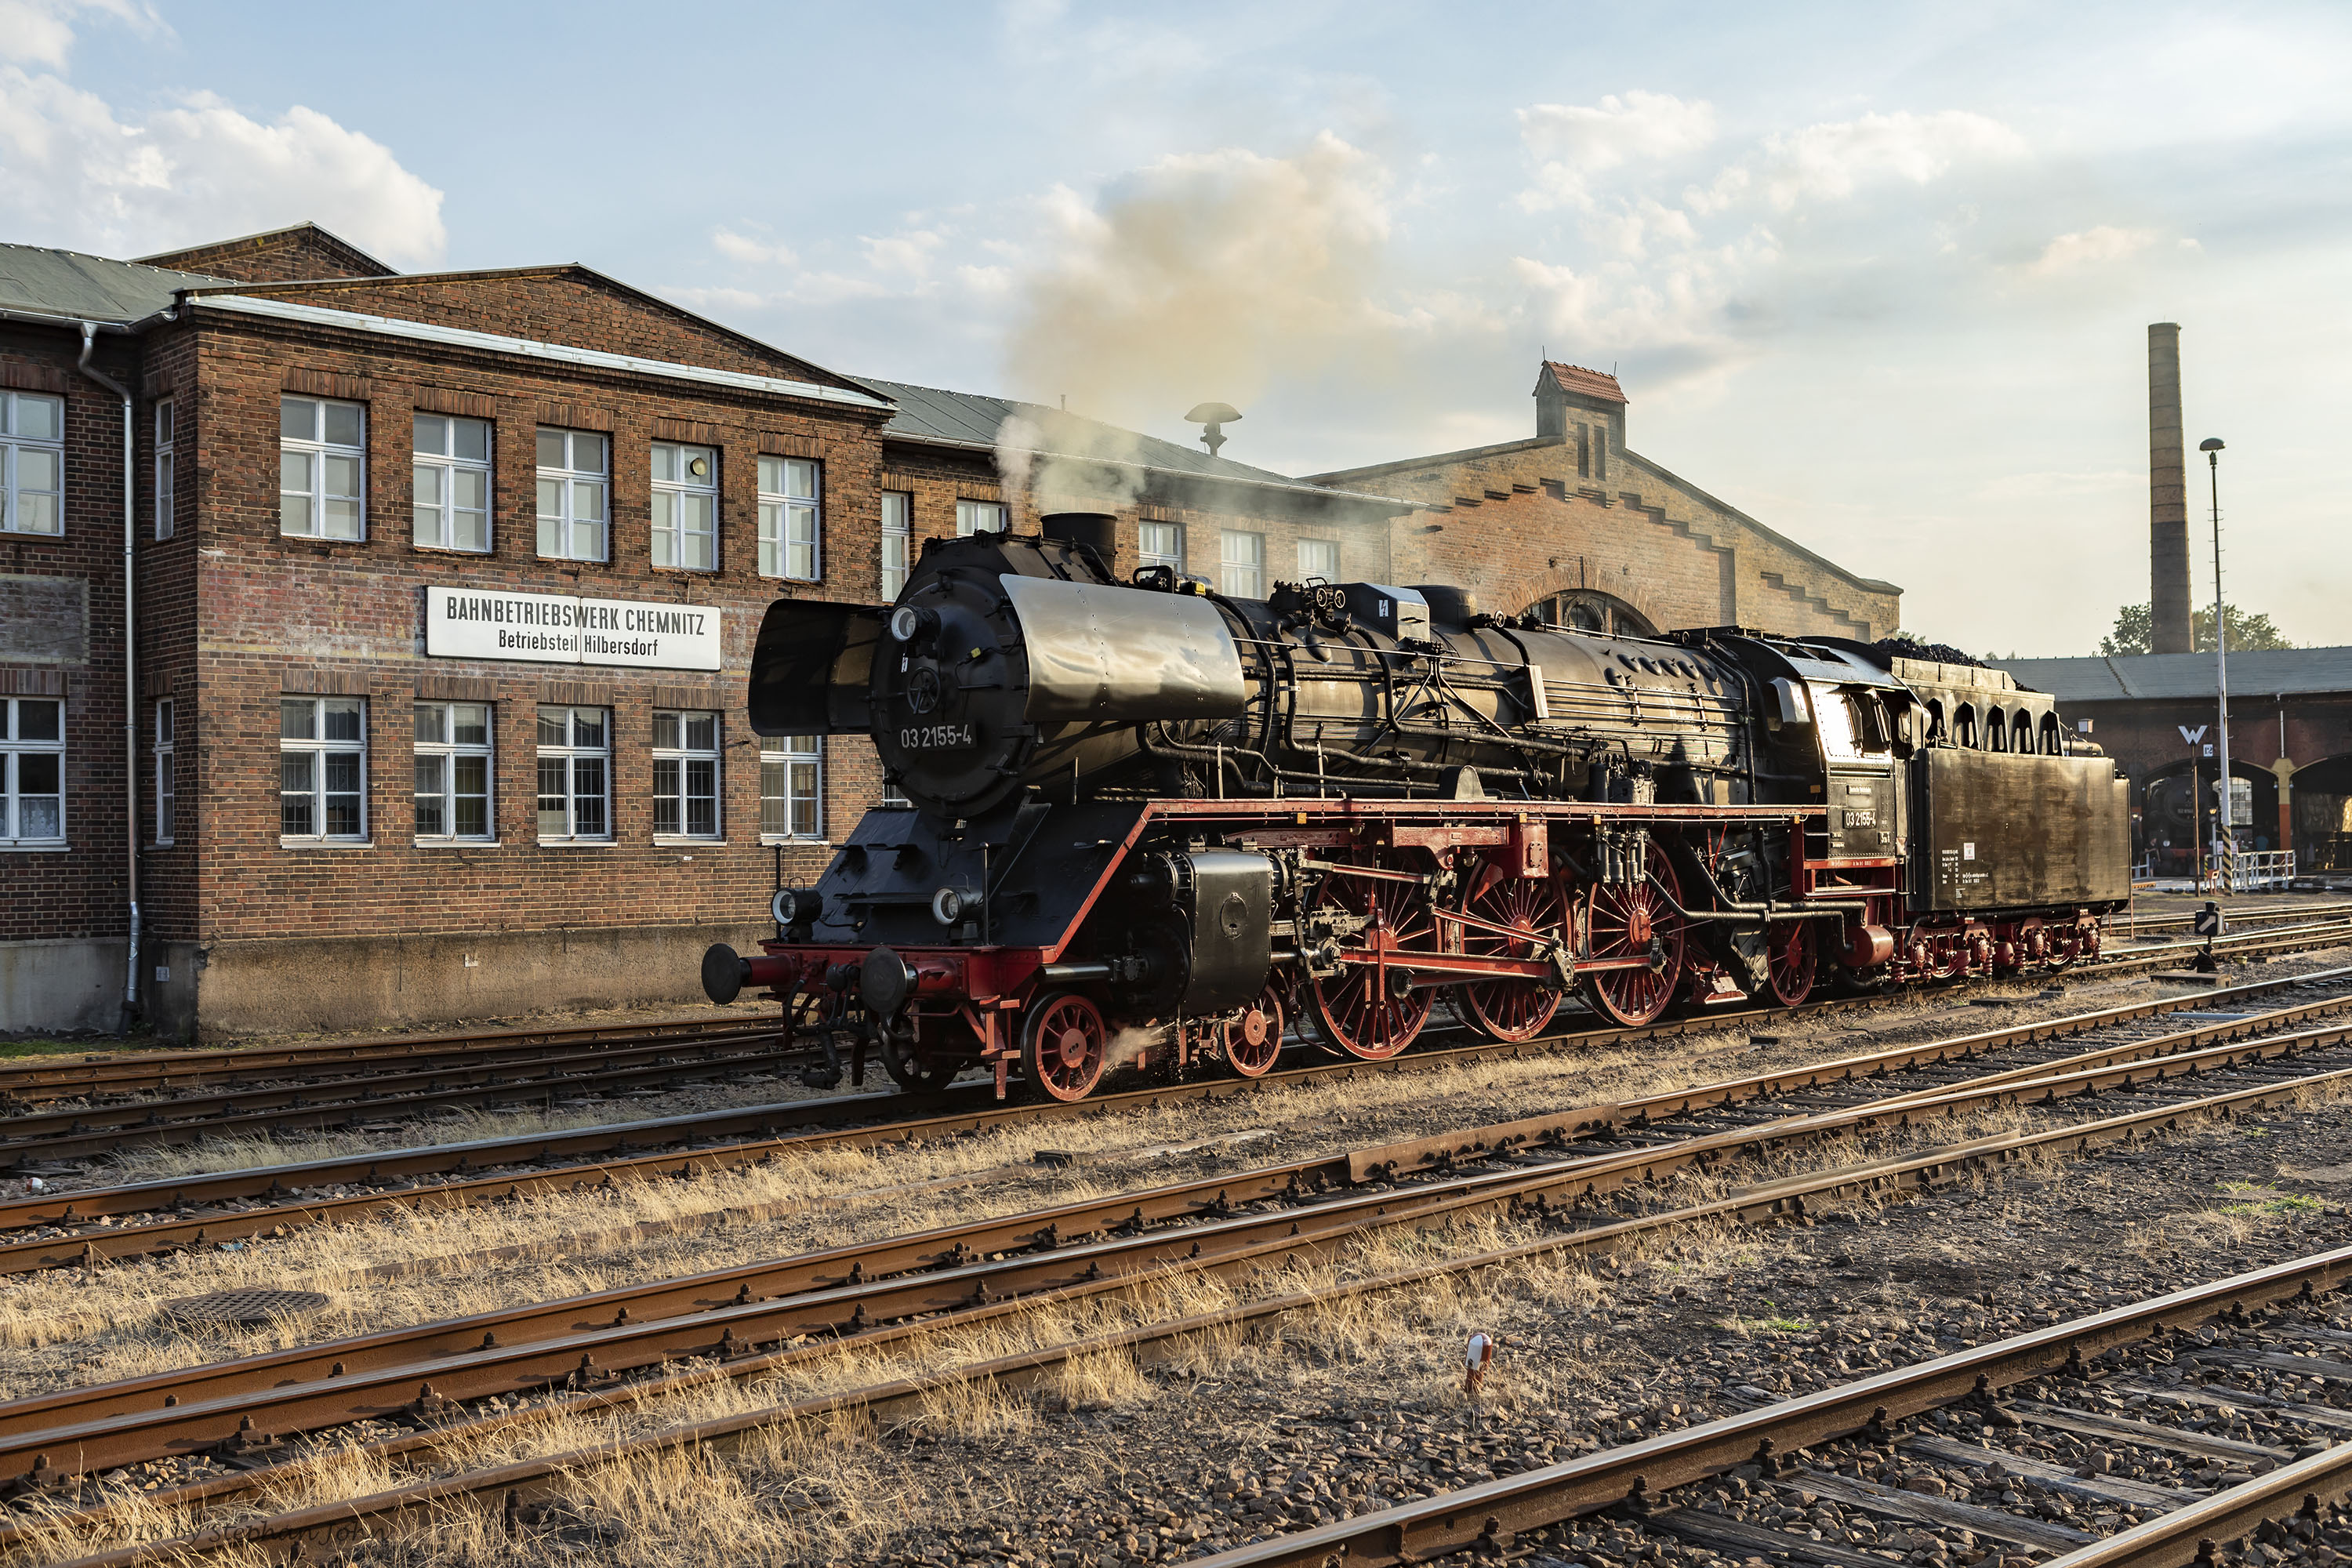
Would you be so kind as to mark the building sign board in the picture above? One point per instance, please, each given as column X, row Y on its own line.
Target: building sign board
column 564, row 628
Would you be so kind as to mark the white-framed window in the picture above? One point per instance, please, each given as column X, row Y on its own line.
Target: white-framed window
column 575, row 774
column 686, row 775
column 1319, row 558
column 979, row 517
column 454, row 771
column 898, row 540
column 573, row 465
column 790, row 489
column 893, row 795
column 166, row 418
column 322, row 468
column 452, row 498
column 167, row 783
column 322, row 768
column 32, row 463
column 32, row 770
column 1241, row 556
column 686, row 507
column 791, row 787
column 1160, row 544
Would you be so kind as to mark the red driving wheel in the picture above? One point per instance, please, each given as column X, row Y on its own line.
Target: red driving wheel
column 1636, row 922
column 1372, row 1008
column 1793, row 958
column 1064, row 1044
column 1534, row 911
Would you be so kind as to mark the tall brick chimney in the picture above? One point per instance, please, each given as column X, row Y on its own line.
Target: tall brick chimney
column 2167, row 495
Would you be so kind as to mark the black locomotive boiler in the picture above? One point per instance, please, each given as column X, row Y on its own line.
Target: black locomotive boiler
column 1153, row 825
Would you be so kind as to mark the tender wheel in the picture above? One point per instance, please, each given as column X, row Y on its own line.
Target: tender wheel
column 1372, row 1008
column 1254, row 1040
column 2065, row 947
column 1793, row 960
column 1064, row 1044
column 1536, row 911
column 1636, row 922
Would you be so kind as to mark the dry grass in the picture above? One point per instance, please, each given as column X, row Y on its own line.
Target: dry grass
column 817, row 1490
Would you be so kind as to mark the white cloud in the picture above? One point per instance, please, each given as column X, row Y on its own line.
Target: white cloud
column 41, row 32
column 2100, row 246
column 744, row 248
column 1578, row 141
column 197, row 169
column 1835, row 160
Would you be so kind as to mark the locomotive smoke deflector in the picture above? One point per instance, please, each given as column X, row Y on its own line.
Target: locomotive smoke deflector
column 814, row 668
column 1107, row 654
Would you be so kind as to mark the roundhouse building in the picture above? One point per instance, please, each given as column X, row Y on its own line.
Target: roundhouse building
column 444, row 586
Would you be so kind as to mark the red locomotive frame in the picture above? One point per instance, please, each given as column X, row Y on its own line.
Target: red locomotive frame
column 1468, row 896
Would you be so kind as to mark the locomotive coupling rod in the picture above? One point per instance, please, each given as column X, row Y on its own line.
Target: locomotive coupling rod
column 1067, row 973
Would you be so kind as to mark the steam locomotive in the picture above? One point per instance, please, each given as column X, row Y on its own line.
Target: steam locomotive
column 1151, row 826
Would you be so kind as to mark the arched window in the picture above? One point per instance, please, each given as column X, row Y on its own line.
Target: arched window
column 2054, row 740
column 1995, row 737
column 2021, row 732
column 1935, row 731
column 1591, row 611
column 1964, row 726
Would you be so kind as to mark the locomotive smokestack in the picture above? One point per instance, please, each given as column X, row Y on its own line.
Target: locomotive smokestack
column 1099, row 529
column 2167, row 495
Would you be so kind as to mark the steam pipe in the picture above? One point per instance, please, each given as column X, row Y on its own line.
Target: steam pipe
column 130, row 664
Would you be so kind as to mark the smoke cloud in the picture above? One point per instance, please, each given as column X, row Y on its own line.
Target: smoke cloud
column 1064, row 462
column 1206, row 277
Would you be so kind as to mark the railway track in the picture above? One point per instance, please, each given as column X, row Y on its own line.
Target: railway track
column 1232, row 1225
column 83, row 1227
column 36, row 1144
column 2128, row 1390
column 40, row 1078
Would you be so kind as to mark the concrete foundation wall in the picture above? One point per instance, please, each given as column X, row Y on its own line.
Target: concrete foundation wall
column 61, row 985
column 289, row 985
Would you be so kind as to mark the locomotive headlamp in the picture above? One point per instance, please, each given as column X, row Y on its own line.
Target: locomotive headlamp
column 908, row 622
column 791, row 904
column 949, row 905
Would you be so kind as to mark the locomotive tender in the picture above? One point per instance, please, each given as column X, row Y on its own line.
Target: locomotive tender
column 1153, row 825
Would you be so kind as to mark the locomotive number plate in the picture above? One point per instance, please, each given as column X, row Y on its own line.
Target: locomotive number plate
column 935, row 737
column 1861, row 819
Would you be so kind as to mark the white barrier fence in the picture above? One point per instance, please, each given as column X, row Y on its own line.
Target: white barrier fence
column 2250, row 871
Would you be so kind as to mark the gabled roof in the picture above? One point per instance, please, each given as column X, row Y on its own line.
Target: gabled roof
column 73, row 286
column 298, row 291
column 298, row 235
column 931, row 415
column 2178, row 677
column 1584, row 383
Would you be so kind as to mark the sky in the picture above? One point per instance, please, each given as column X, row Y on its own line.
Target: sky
column 1878, row 276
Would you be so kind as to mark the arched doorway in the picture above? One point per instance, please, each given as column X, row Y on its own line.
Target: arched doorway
column 2173, row 809
column 1592, row 611
column 2322, row 801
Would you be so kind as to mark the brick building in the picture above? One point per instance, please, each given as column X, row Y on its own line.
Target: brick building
column 1577, row 524
column 446, row 586
column 2290, row 740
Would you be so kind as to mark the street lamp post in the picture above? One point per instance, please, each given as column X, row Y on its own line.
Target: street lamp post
column 2211, row 448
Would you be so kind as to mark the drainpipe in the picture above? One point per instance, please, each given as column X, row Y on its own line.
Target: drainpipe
column 130, row 664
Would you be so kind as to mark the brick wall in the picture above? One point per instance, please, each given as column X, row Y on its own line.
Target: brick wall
column 283, row 616
column 79, row 891
column 1523, row 519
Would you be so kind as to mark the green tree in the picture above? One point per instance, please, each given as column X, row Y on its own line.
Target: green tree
column 2135, row 631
